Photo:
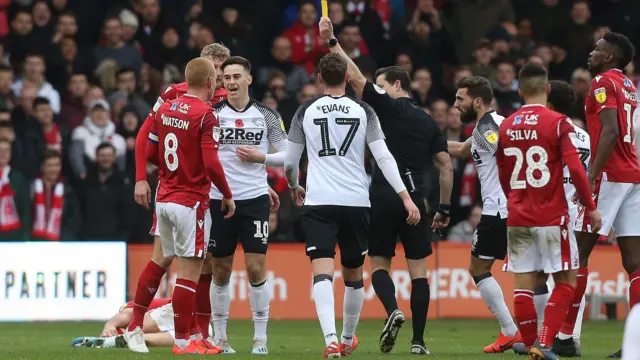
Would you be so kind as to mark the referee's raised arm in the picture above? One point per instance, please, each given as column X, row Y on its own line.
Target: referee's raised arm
column 413, row 138
column 356, row 79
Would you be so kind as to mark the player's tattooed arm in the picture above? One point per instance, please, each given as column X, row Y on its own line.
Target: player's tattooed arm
column 606, row 143
column 460, row 149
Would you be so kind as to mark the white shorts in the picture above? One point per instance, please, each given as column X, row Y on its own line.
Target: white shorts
column 619, row 206
column 184, row 231
column 163, row 317
column 155, row 230
column 546, row 248
column 573, row 216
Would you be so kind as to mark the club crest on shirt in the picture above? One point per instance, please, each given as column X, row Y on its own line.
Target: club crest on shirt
column 517, row 120
column 491, row 136
column 259, row 123
column 600, row 94
column 216, row 133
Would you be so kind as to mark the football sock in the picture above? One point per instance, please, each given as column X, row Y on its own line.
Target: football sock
column 146, row 289
column 492, row 295
column 420, row 297
column 203, row 304
column 259, row 298
column 540, row 298
column 566, row 331
column 220, row 302
column 577, row 330
column 634, row 288
column 353, row 301
column 183, row 301
column 323, row 297
column 385, row 290
column 555, row 312
column 525, row 313
column 630, row 343
column 195, row 329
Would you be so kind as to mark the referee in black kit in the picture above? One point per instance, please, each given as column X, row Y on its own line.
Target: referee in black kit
column 412, row 137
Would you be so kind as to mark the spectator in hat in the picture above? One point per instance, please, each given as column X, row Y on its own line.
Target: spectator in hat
column 130, row 25
column 96, row 129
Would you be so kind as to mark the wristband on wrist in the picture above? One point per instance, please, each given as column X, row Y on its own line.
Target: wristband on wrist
column 444, row 210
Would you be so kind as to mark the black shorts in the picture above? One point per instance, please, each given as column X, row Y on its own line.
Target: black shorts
column 490, row 238
column 324, row 226
column 389, row 222
column 249, row 226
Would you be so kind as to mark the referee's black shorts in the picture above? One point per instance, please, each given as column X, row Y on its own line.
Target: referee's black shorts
column 389, row 222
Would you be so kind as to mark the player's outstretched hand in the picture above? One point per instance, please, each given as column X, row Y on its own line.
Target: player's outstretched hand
column 251, row 154
column 326, row 29
column 142, row 193
column 412, row 210
column 298, row 195
column 109, row 330
column 596, row 220
column 228, row 204
column 274, row 200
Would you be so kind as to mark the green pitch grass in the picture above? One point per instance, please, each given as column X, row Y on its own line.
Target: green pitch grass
column 292, row 340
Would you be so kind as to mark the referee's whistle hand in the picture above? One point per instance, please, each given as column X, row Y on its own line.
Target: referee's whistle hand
column 414, row 214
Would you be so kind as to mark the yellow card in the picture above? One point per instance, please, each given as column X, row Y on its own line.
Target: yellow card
column 325, row 8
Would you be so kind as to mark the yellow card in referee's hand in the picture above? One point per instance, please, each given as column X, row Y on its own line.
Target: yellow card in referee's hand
column 325, row 8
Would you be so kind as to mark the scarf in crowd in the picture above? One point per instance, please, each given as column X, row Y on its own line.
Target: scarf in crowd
column 46, row 224
column 468, row 188
column 53, row 138
column 9, row 219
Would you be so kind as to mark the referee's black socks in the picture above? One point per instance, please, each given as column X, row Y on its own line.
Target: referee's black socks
column 385, row 290
column 420, row 297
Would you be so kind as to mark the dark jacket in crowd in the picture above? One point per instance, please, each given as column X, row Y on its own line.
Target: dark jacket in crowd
column 107, row 207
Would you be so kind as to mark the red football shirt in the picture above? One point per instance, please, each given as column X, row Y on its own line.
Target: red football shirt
column 171, row 93
column 182, row 128
column 613, row 90
column 532, row 145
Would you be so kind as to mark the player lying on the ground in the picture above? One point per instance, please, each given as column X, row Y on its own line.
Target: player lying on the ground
column 157, row 327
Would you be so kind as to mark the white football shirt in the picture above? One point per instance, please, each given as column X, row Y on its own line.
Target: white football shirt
column 484, row 144
column 336, row 131
column 256, row 125
column 582, row 142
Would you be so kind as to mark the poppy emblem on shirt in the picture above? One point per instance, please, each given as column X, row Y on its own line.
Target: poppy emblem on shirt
column 239, row 123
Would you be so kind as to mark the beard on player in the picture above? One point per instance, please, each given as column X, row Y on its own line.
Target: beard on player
column 469, row 115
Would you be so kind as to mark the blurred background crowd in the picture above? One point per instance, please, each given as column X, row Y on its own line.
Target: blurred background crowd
column 78, row 77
